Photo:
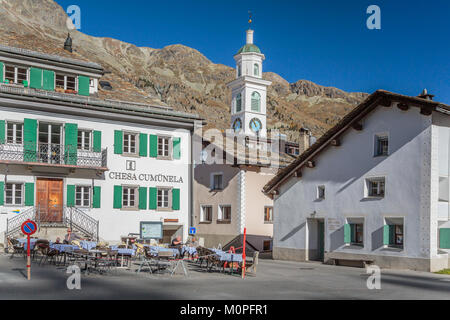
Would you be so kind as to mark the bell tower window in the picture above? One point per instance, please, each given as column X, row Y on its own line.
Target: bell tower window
column 256, row 70
column 256, row 101
column 239, row 71
column 238, row 102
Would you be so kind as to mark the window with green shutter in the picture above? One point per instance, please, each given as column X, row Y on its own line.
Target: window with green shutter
column 29, row 194
column 48, row 80
column 117, row 201
column 444, row 238
column 36, row 78
column 387, row 234
column 2, row 132
column 176, row 148
column 175, row 199
column 70, row 201
column 152, row 198
column 71, row 143
column 29, row 140
column 2, row 193
column 143, row 144
column 96, row 201
column 153, row 146
column 83, row 86
column 142, row 198
column 97, row 145
column 347, row 233
column 1, row 71
column 118, row 141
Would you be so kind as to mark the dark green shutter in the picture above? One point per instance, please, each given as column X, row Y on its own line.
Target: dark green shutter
column 153, row 146
column 83, row 86
column 444, row 238
column 176, row 148
column 152, row 198
column 117, row 202
column 29, row 140
column 2, row 193
column 143, row 145
column 29, row 194
column 97, row 146
column 71, row 143
column 2, row 131
column 96, row 197
column 347, row 233
column 49, row 80
column 142, row 198
column 118, row 142
column 175, row 199
column 387, row 234
column 1, row 72
column 70, row 195
column 352, row 232
column 36, row 78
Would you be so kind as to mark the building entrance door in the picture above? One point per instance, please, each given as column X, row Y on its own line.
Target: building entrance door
column 321, row 239
column 50, row 199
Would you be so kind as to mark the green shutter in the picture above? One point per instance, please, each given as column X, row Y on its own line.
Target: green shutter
column 176, row 148
column 152, row 197
column 444, row 238
column 142, row 198
column 97, row 146
column 143, row 145
column 29, row 140
column 347, row 233
column 29, row 194
column 36, row 78
column 153, row 146
column 49, row 80
column 1, row 72
column 352, row 233
column 83, row 86
column 2, row 193
column 175, row 199
column 70, row 195
column 387, row 234
column 71, row 143
column 118, row 141
column 2, row 131
column 117, row 202
column 96, row 197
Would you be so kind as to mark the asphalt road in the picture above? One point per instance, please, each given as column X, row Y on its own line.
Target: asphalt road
column 274, row 280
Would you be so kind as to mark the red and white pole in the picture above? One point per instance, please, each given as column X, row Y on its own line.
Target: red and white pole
column 243, row 253
column 28, row 258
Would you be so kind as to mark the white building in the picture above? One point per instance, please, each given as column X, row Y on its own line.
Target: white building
column 374, row 187
column 68, row 158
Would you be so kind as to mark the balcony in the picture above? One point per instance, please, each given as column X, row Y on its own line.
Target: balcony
column 52, row 155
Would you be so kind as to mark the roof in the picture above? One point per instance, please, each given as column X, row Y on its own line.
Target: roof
column 249, row 48
column 352, row 119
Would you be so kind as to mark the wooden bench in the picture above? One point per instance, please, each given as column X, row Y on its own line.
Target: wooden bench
column 355, row 262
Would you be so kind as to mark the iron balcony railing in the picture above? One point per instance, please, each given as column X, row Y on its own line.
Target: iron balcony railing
column 53, row 154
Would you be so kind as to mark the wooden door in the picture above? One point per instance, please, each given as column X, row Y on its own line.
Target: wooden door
column 50, row 199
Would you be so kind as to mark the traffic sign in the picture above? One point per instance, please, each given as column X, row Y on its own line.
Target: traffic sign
column 29, row 227
column 192, row 230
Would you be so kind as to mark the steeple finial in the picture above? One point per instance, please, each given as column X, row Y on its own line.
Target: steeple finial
column 250, row 20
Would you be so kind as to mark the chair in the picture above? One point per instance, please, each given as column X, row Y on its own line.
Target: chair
column 251, row 266
column 17, row 247
column 41, row 246
column 146, row 260
column 50, row 256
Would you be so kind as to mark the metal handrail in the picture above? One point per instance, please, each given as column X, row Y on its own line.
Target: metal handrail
column 77, row 219
column 14, row 224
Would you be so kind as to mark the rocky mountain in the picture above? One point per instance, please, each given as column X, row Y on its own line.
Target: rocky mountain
column 176, row 75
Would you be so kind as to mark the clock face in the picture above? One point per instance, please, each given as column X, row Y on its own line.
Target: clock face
column 255, row 125
column 237, row 125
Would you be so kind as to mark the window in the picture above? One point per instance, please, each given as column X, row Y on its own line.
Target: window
column 267, row 245
column 65, row 82
column 381, row 145
column 129, row 196
column 14, row 132
column 358, row 233
column 393, row 234
column 443, row 189
column 268, row 214
column 224, row 213
column 217, row 181
column 16, row 74
column 206, row 214
column 398, row 235
column 239, row 72
column 375, row 187
column 82, row 196
column 84, row 140
column 129, row 143
column 13, row 194
column 163, row 198
column 256, row 69
column 321, row 192
column 256, row 101
column 354, row 232
column 164, row 147
column 238, row 102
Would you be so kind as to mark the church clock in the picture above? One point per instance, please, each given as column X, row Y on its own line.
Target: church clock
column 255, row 125
column 237, row 125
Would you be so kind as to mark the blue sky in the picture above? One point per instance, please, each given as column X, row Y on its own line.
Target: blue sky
column 325, row 41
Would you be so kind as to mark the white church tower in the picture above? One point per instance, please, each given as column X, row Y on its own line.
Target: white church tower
column 249, row 91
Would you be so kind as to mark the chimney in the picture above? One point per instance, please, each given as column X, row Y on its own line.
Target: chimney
column 425, row 95
column 304, row 142
column 68, row 43
column 250, row 36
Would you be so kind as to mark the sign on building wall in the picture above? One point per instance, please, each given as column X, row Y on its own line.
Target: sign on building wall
column 151, row 230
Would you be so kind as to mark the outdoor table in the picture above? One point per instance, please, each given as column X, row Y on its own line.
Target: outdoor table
column 190, row 250
column 228, row 257
column 64, row 249
column 88, row 245
column 23, row 242
column 123, row 252
column 154, row 250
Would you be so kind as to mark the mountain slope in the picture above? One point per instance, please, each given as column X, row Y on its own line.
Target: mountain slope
column 176, row 75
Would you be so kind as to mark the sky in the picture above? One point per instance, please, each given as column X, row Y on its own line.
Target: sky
column 324, row 41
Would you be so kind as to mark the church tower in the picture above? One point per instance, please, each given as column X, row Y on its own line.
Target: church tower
column 249, row 91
